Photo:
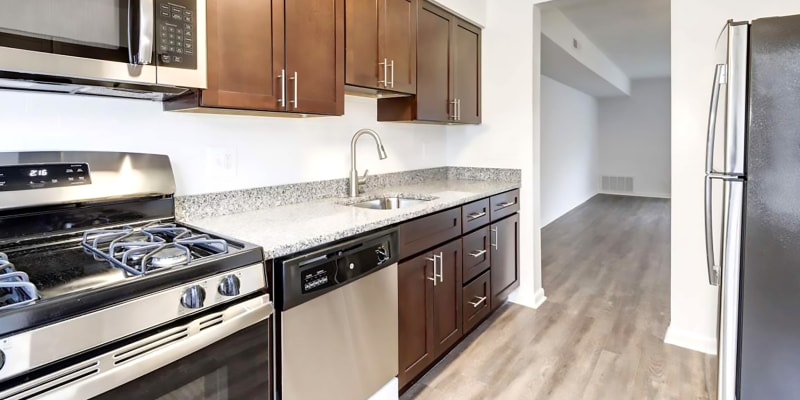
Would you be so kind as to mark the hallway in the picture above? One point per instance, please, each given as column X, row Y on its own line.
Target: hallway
column 599, row 335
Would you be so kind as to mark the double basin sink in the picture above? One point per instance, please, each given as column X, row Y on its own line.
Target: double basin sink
column 389, row 202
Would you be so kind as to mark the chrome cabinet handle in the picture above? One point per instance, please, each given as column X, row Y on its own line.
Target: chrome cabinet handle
column 454, row 115
column 458, row 108
column 392, row 83
column 720, row 78
column 282, row 77
column 477, row 303
column 501, row 206
column 496, row 237
column 477, row 253
column 295, row 101
column 475, row 215
column 385, row 80
column 441, row 267
column 435, row 274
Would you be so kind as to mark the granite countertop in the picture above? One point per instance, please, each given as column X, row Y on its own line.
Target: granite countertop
column 284, row 230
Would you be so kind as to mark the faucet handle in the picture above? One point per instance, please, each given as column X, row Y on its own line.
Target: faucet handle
column 363, row 179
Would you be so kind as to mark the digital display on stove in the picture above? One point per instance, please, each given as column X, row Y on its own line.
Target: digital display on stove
column 41, row 176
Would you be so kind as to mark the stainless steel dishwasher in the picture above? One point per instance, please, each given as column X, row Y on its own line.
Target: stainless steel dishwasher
column 336, row 329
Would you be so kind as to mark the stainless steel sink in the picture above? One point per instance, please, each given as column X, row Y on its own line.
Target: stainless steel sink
column 390, row 202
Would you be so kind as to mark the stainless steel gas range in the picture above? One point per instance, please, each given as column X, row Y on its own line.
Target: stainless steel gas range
column 103, row 294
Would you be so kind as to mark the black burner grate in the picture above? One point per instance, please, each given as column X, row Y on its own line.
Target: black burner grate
column 150, row 248
column 15, row 287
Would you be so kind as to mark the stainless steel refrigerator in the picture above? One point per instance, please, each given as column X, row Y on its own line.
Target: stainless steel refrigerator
column 753, row 208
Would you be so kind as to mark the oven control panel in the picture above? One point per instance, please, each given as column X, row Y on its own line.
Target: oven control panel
column 176, row 32
column 42, row 176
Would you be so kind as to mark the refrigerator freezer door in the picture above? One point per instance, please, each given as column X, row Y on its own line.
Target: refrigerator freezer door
column 727, row 156
column 770, row 326
column 736, row 107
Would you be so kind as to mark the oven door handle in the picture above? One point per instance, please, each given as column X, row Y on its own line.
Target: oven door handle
column 119, row 366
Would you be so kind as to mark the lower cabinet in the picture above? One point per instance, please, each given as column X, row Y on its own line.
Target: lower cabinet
column 430, row 315
column 504, row 258
column 447, row 291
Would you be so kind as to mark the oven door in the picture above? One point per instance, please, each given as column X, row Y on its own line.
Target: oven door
column 121, row 41
column 220, row 355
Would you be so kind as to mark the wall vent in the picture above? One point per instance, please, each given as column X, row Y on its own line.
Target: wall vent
column 622, row 184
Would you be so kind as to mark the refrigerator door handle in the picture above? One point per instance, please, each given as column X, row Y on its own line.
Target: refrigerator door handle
column 720, row 79
column 711, row 260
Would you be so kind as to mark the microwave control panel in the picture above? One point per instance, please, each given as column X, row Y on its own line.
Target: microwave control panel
column 176, row 32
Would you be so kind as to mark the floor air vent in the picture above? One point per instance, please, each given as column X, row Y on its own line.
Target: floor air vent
column 617, row 184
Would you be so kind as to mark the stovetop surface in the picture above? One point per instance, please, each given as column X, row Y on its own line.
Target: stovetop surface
column 71, row 281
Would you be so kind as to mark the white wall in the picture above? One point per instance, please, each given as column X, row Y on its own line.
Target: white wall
column 570, row 148
column 472, row 10
column 695, row 27
column 509, row 134
column 268, row 150
column 557, row 27
column 635, row 136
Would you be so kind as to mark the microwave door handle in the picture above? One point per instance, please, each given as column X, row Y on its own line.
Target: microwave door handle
column 719, row 80
column 146, row 31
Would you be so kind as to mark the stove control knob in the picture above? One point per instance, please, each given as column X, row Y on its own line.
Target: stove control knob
column 230, row 286
column 193, row 297
column 2, row 359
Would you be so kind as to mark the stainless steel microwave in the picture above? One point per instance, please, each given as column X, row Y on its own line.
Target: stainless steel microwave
column 134, row 45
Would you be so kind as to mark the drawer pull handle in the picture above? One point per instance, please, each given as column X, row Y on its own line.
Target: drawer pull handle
column 475, row 215
column 506, row 205
column 477, row 253
column 496, row 238
column 477, row 303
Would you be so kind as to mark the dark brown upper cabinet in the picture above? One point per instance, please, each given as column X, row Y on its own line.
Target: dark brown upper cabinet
column 448, row 72
column 381, row 45
column 274, row 56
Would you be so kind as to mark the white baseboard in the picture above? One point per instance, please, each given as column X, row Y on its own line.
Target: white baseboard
column 527, row 299
column 691, row 340
column 655, row 195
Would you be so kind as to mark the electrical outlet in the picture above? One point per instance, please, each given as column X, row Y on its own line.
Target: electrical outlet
column 221, row 162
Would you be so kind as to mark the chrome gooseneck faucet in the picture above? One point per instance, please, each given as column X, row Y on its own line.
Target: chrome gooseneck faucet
column 355, row 181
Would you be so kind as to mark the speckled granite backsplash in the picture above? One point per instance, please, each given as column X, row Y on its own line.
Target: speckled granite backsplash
column 239, row 201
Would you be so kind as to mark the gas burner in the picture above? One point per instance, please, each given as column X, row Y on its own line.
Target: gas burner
column 149, row 248
column 15, row 287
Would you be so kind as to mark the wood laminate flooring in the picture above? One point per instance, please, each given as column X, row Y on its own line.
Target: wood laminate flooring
column 600, row 335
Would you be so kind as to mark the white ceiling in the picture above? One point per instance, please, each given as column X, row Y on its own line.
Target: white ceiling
column 634, row 34
column 563, row 67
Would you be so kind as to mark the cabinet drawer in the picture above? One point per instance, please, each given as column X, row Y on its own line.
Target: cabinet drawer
column 475, row 301
column 504, row 204
column 474, row 215
column 427, row 232
column 476, row 253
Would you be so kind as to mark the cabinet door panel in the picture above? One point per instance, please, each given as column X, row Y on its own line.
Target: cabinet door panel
column 447, row 297
column 415, row 310
column 477, row 299
column 361, row 46
column 315, row 54
column 398, row 30
column 433, row 60
column 504, row 259
column 466, row 70
column 245, row 54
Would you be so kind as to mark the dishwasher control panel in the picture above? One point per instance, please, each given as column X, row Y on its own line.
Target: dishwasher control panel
column 307, row 276
column 318, row 278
